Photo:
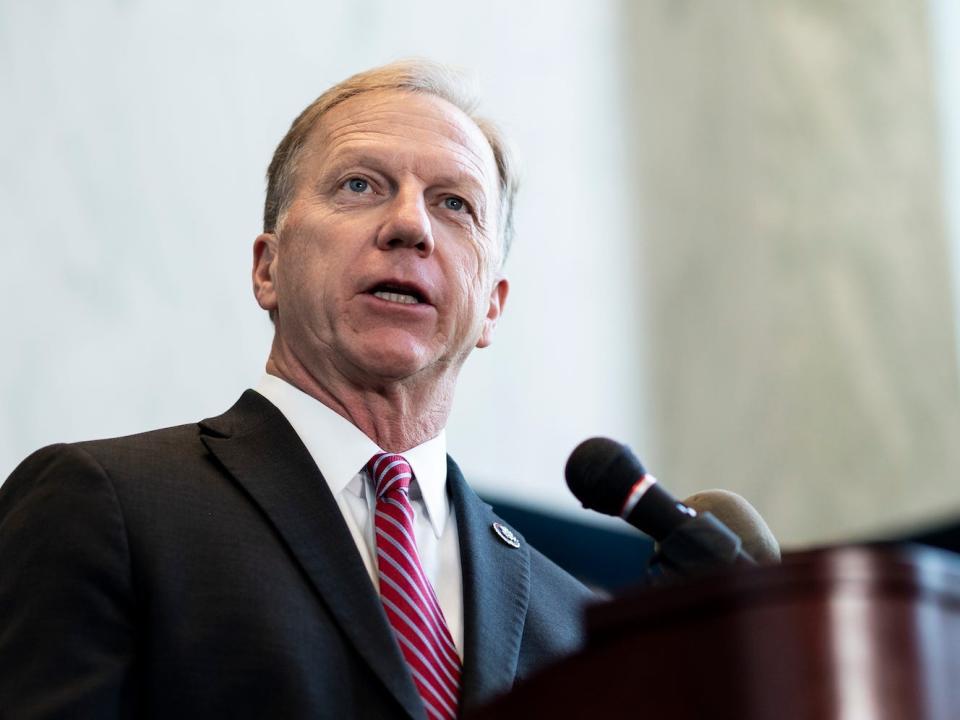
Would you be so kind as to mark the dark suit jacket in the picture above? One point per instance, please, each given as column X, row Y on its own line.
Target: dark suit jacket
column 206, row 571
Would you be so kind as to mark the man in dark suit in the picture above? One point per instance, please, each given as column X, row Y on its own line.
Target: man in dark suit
column 239, row 567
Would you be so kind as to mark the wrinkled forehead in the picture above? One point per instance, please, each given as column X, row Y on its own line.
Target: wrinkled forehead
column 405, row 122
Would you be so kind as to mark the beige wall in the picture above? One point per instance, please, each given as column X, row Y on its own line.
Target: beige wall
column 796, row 264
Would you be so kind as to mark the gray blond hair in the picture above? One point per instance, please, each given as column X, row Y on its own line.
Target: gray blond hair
column 414, row 75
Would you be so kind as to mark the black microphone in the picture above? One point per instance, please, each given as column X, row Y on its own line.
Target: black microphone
column 607, row 477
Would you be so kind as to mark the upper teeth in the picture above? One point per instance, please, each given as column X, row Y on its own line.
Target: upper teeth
column 396, row 297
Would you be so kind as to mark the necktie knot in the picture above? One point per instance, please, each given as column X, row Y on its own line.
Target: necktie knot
column 390, row 473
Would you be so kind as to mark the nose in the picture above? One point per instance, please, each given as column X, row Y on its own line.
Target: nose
column 408, row 224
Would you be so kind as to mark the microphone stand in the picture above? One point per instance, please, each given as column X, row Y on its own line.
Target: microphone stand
column 697, row 546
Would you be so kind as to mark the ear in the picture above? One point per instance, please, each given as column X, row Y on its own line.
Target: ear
column 498, row 298
column 264, row 271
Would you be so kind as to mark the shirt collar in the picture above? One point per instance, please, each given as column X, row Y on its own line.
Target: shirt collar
column 341, row 450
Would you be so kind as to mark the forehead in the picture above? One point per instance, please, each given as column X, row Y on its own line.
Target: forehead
column 416, row 128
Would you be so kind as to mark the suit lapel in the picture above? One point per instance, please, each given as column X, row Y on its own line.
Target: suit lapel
column 259, row 448
column 496, row 592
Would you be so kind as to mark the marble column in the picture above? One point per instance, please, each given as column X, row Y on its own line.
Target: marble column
column 795, row 269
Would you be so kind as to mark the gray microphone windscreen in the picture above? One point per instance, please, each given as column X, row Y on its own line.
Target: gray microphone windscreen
column 742, row 518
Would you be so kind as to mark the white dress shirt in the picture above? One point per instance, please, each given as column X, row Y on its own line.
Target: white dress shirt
column 341, row 452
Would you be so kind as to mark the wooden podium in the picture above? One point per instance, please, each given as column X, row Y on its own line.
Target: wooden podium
column 850, row 633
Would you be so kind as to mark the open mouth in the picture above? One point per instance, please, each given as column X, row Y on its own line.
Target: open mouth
column 402, row 294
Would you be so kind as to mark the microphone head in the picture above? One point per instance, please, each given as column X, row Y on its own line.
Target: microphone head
column 601, row 472
column 742, row 518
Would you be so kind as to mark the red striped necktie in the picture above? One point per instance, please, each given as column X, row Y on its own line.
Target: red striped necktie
column 408, row 597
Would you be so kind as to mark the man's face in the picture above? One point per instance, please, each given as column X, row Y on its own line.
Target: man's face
column 386, row 264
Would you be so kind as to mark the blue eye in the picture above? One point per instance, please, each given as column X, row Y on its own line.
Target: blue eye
column 454, row 203
column 358, row 185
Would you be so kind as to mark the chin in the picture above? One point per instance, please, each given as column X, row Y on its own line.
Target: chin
column 395, row 363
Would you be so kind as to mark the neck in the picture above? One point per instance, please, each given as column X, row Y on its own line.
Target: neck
column 396, row 414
